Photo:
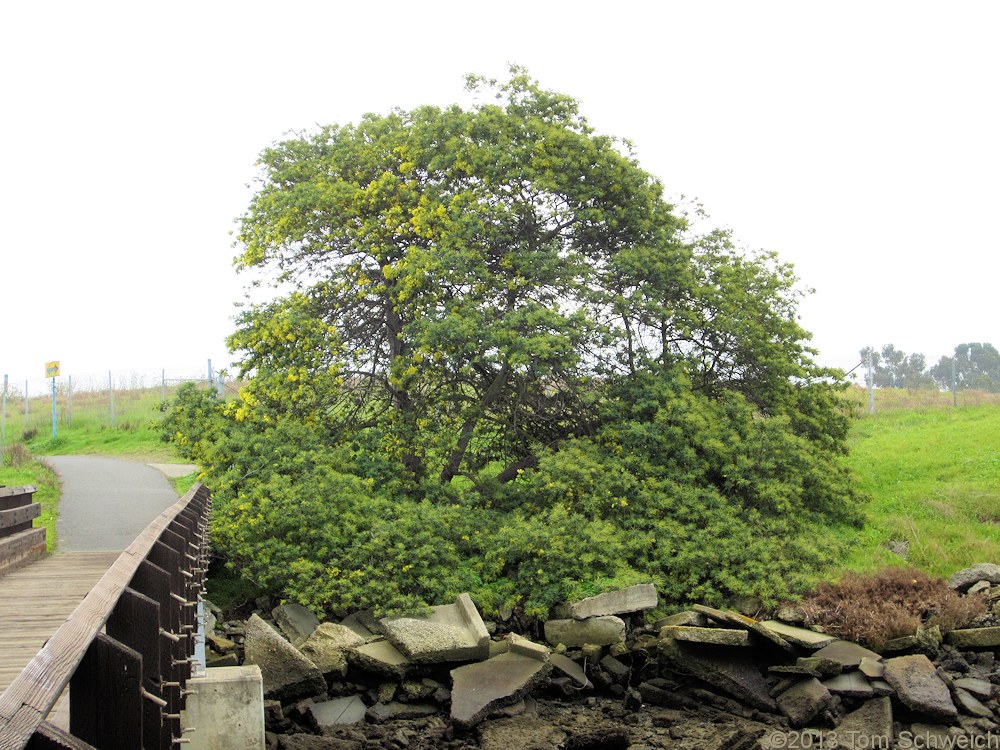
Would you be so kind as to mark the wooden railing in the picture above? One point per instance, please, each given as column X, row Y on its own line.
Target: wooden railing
column 126, row 651
column 20, row 544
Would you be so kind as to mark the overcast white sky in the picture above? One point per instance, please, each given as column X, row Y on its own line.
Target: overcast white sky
column 860, row 140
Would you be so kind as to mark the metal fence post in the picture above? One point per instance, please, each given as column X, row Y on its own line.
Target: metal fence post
column 3, row 420
column 111, row 398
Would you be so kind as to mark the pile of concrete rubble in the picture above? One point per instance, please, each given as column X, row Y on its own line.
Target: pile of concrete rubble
column 607, row 677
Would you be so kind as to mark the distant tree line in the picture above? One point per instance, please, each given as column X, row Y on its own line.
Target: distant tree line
column 973, row 366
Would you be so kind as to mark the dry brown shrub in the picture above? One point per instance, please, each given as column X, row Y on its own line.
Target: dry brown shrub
column 15, row 455
column 895, row 602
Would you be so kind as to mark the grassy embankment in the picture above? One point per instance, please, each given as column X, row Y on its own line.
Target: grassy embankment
column 134, row 436
column 933, row 474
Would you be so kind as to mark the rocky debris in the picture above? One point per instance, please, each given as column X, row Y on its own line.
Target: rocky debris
column 632, row 599
column 798, row 636
column 601, row 631
column 479, row 688
column 850, row 684
column 974, row 637
column 869, row 726
column 964, row 579
column 330, row 714
column 295, row 621
column 286, row 672
column 716, row 636
column 725, row 617
column 729, row 686
column 804, row 701
column 451, row 632
column 733, row 672
column 327, row 647
column 846, row 653
column 919, row 688
column 380, row 657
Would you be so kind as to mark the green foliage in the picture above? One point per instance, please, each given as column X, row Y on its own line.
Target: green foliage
column 506, row 366
column 974, row 366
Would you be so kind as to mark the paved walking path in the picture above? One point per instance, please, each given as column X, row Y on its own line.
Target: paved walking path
column 106, row 502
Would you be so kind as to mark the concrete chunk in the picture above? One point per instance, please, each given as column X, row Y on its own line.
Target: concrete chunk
column 969, row 704
column 799, row 636
column 918, row 686
column 869, row 726
column 982, row 689
column 733, row 671
column 380, row 657
column 478, row 689
column 847, row 654
column 295, row 621
column 974, row 637
column 728, row 617
column 329, row 716
column 601, row 631
column 802, row 702
column 327, row 647
column 716, row 636
column 286, row 672
column 570, row 668
column 850, row 684
column 623, row 601
column 451, row 632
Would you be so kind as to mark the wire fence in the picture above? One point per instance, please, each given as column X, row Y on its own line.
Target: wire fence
column 119, row 400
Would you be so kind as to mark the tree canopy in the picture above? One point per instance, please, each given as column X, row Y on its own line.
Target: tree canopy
column 494, row 347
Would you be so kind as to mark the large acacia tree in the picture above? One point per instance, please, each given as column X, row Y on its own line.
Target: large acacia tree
column 495, row 306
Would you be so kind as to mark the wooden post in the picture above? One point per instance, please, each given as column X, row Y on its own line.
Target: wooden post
column 135, row 622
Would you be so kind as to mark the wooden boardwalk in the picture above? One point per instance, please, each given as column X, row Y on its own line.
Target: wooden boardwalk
column 37, row 599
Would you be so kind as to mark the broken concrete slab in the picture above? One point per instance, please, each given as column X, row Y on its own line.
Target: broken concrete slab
column 354, row 622
column 599, row 631
column 825, row 666
column 715, row 636
column 287, row 673
column 632, row 599
column 728, row 617
column 802, row 702
column 327, row 647
column 570, row 668
column 974, row 637
column 982, row 689
column 450, row 632
column 919, row 688
column 804, row 637
column 871, row 668
column 380, row 657
column 687, row 617
column 331, row 715
column 846, row 653
column 295, row 621
column 396, row 711
column 869, row 726
column 733, row 672
column 850, row 685
column 477, row 689
column 521, row 645
column 966, row 577
column 969, row 704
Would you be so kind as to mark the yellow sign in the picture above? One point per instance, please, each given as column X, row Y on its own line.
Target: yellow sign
column 52, row 369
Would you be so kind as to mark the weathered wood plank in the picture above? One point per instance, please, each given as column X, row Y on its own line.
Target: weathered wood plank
column 51, row 737
column 17, row 516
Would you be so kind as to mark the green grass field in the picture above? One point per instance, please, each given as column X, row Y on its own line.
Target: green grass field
column 932, row 472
